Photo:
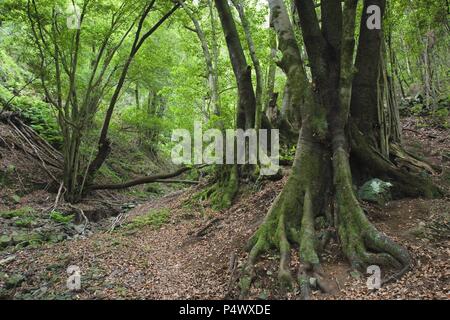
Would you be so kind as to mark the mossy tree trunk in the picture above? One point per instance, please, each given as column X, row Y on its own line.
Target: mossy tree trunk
column 321, row 182
column 375, row 122
column 227, row 182
column 210, row 59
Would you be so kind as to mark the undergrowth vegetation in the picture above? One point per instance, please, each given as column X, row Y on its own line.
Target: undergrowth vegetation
column 154, row 219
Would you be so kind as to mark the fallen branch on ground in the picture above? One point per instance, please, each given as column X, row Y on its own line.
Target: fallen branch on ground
column 206, row 229
column 178, row 181
column 148, row 179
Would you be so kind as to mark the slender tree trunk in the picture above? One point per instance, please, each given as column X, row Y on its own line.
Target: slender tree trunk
column 246, row 97
column 215, row 54
column 104, row 147
column 238, row 4
column 271, row 72
column 211, row 69
column 226, row 187
column 136, row 96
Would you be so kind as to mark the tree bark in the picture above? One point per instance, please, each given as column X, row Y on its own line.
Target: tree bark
column 104, row 147
column 226, row 185
column 211, row 69
column 374, row 118
column 323, row 151
column 143, row 180
column 238, row 4
column 246, row 97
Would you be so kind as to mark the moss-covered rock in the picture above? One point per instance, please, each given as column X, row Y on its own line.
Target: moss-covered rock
column 14, row 281
column 375, row 191
column 20, row 238
column 5, row 241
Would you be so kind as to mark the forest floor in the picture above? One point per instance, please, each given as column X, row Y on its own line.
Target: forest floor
column 177, row 248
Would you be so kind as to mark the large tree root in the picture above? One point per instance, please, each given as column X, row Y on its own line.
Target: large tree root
column 407, row 183
column 224, row 188
column 291, row 222
column 279, row 231
column 272, row 233
column 361, row 242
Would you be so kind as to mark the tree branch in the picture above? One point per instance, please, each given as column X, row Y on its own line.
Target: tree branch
column 145, row 180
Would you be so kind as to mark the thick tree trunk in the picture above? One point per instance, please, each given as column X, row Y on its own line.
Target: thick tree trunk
column 323, row 156
column 374, row 119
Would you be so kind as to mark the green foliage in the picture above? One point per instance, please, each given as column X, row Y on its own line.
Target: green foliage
column 41, row 117
column 22, row 212
column 25, row 222
column 23, row 218
column 110, row 175
column 16, row 198
column 36, row 113
column 61, row 217
column 154, row 188
column 440, row 118
column 155, row 219
column 417, row 109
column 288, row 152
column 11, row 74
column 5, row 175
column 416, row 28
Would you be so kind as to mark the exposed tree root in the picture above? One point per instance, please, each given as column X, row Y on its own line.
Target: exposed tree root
column 406, row 183
column 224, row 188
column 361, row 242
column 291, row 221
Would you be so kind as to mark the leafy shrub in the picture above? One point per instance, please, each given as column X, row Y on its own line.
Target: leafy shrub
column 61, row 217
column 11, row 74
column 440, row 118
column 25, row 222
column 36, row 113
column 41, row 117
column 22, row 212
column 288, row 153
column 154, row 188
column 417, row 109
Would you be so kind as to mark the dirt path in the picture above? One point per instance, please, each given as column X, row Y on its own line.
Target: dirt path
column 172, row 262
column 190, row 257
